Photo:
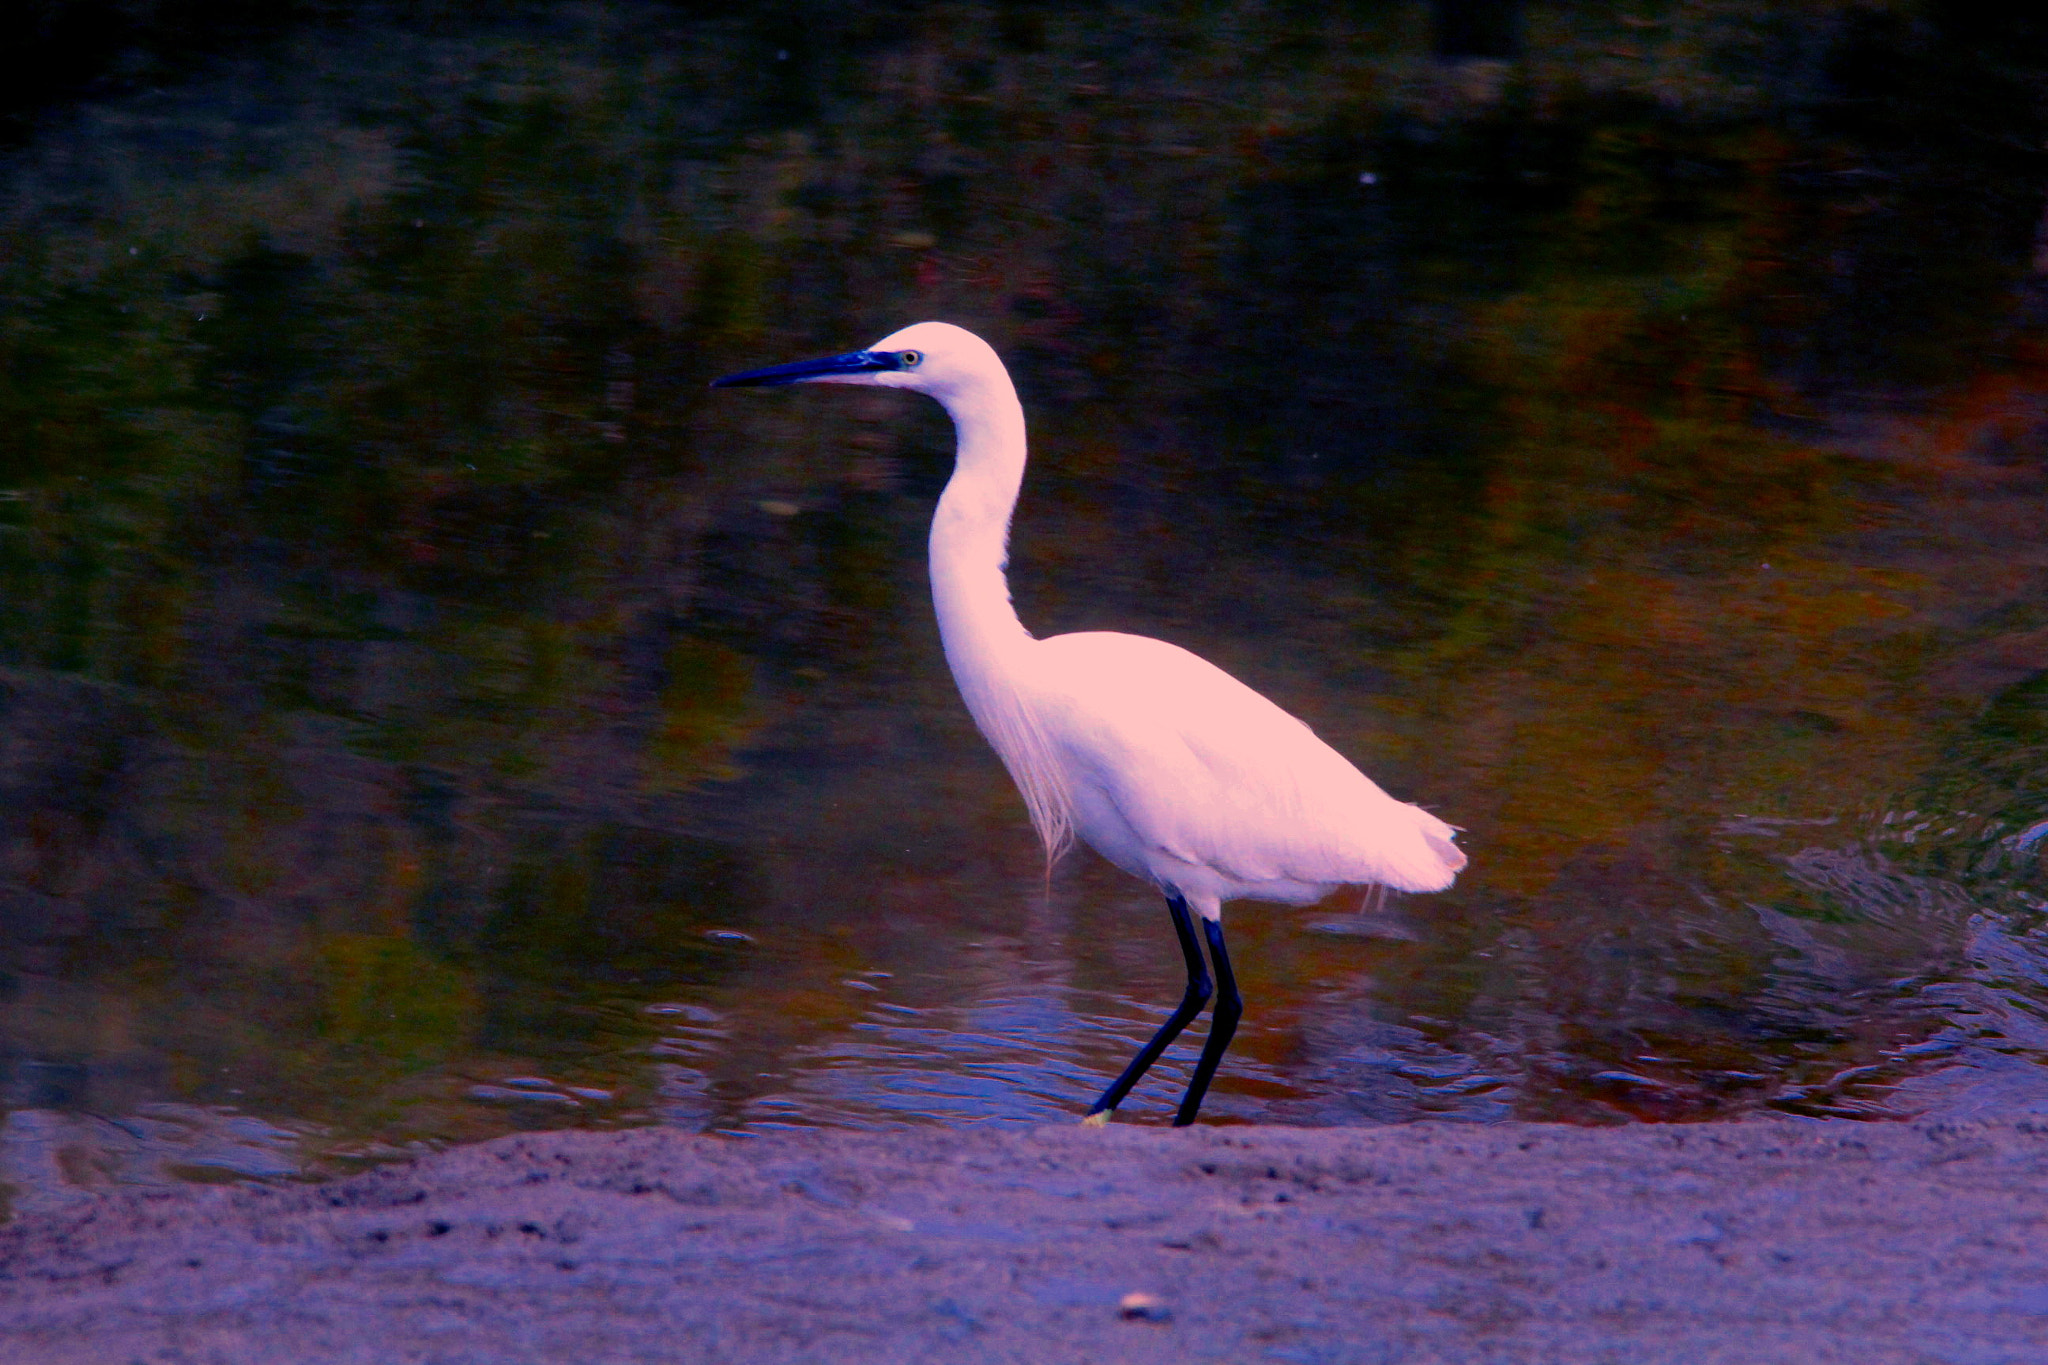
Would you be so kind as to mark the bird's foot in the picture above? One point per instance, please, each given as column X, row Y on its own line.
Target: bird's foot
column 1098, row 1119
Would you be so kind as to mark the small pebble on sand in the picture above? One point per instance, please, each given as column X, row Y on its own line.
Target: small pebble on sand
column 1138, row 1306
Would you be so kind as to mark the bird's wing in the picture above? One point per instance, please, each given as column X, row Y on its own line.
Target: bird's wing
column 1209, row 772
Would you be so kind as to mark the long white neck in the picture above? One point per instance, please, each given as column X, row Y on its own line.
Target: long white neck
column 971, row 531
column 989, row 650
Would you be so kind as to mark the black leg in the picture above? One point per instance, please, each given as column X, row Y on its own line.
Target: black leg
column 1190, row 1005
column 1222, row 1024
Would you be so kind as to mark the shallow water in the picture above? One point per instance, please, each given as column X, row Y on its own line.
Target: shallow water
column 427, row 712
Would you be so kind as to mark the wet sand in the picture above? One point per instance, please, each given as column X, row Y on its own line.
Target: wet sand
column 1806, row 1242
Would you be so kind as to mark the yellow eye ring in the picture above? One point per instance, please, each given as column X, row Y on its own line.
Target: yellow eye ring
column 909, row 360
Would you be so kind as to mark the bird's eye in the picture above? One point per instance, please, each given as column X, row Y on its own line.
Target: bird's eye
column 909, row 360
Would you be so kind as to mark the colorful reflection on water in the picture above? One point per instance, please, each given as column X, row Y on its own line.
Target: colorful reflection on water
column 426, row 712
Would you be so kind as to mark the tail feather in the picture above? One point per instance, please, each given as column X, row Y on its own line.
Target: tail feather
column 1433, row 861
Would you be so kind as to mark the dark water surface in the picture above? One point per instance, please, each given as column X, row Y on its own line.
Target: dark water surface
column 426, row 711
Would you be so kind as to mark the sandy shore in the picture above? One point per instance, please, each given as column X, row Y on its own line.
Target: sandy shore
column 1520, row 1243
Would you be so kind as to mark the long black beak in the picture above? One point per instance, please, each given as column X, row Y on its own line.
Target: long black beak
column 853, row 362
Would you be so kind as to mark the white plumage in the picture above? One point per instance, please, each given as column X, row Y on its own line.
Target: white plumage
column 1181, row 774
column 1157, row 759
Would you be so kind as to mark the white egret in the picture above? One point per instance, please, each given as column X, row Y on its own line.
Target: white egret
column 1163, row 763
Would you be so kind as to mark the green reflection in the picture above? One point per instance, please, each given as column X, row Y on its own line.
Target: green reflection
column 703, row 711
column 387, row 997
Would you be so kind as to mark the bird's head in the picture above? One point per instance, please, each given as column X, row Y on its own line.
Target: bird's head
column 934, row 358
